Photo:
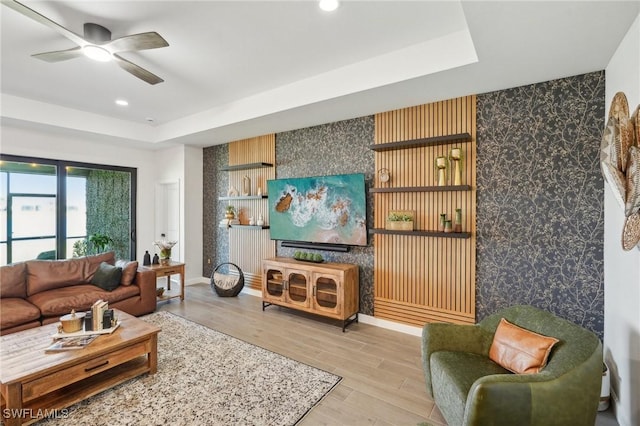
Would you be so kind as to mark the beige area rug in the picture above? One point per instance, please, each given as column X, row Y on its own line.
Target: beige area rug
column 207, row 378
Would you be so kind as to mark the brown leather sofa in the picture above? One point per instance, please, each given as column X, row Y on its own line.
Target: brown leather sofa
column 38, row 292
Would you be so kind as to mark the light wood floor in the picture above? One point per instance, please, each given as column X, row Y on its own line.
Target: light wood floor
column 382, row 381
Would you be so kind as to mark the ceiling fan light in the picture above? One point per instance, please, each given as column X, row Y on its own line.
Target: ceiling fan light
column 96, row 53
column 329, row 5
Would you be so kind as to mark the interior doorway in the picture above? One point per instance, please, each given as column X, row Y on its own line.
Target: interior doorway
column 167, row 220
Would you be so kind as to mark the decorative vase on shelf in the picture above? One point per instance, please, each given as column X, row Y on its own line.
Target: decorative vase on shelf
column 455, row 157
column 260, row 220
column 447, row 226
column 457, row 225
column 156, row 259
column 443, row 219
column 146, row 260
column 441, row 169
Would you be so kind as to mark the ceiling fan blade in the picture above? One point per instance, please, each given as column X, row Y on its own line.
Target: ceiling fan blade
column 60, row 55
column 138, row 71
column 30, row 13
column 143, row 41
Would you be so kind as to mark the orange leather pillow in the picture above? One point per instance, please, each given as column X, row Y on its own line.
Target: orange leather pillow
column 129, row 269
column 518, row 350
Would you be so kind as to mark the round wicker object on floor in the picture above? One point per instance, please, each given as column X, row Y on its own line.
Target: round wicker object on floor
column 227, row 285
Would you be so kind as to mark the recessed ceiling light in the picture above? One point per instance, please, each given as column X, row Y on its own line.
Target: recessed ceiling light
column 329, row 5
column 122, row 102
column 151, row 119
column 96, row 53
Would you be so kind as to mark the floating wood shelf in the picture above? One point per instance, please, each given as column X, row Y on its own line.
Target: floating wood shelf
column 250, row 226
column 414, row 143
column 243, row 197
column 423, row 188
column 247, row 166
column 463, row 235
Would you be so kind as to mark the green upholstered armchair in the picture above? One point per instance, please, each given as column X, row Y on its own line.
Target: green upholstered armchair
column 470, row 389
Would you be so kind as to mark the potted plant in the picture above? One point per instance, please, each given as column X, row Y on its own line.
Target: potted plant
column 400, row 220
column 100, row 242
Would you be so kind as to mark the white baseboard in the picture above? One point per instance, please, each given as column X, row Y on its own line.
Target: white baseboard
column 390, row 325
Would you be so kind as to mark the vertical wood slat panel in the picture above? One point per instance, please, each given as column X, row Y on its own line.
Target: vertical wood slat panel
column 247, row 247
column 418, row 279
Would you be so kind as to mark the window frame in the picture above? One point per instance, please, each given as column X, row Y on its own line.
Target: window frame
column 61, row 197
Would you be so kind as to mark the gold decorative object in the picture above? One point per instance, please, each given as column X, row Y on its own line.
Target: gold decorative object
column 455, row 157
column 441, row 164
column 72, row 322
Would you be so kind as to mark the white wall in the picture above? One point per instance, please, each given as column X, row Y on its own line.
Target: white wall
column 193, row 207
column 622, row 268
column 183, row 164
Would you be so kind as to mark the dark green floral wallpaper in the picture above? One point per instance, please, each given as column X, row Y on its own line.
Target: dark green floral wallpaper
column 540, row 214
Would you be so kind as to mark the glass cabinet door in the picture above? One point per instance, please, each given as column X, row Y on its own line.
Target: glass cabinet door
column 275, row 283
column 325, row 293
column 297, row 288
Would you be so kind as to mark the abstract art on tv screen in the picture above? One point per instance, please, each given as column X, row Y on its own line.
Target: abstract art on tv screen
column 319, row 209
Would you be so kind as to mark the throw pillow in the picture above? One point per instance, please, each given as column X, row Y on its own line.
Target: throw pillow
column 107, row 277
column 129, row 269
column 518, row 350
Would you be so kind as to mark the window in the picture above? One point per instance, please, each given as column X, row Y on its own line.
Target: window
column 52, row 209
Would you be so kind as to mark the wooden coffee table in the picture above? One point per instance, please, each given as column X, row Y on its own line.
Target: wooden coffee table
column 35, row 384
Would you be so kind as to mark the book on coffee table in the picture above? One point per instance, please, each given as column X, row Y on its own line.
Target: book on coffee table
column 70, row 343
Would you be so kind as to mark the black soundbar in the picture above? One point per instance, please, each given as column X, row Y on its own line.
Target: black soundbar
column 315, row 246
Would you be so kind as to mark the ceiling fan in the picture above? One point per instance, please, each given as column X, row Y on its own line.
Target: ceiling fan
column 97, row 43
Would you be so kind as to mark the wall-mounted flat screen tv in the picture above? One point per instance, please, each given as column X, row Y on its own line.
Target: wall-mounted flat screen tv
column 319, row 209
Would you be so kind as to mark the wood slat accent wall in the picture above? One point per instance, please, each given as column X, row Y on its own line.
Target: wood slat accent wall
column 248, row 246
column 425, row 279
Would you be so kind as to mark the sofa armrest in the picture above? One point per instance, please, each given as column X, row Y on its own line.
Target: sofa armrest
column 146, row 280
column 569, row 398
column 451, row 337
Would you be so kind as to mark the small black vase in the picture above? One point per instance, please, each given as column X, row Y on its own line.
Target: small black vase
column 146, row 261
column 156, row 259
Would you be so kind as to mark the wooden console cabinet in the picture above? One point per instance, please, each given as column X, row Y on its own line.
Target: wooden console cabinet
column 327, row 289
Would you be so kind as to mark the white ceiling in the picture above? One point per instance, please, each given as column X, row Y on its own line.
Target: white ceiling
column 238, row 69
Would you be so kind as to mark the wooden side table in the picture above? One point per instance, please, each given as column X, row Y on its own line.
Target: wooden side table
column 172, row 268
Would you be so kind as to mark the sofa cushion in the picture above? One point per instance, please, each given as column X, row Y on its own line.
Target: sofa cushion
column 13, row 280
column 16, row 311
column 93, row 263
column 107, row 277
column 61, row 301
column 129, row 269
column 43, row 275
column 519, row 350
